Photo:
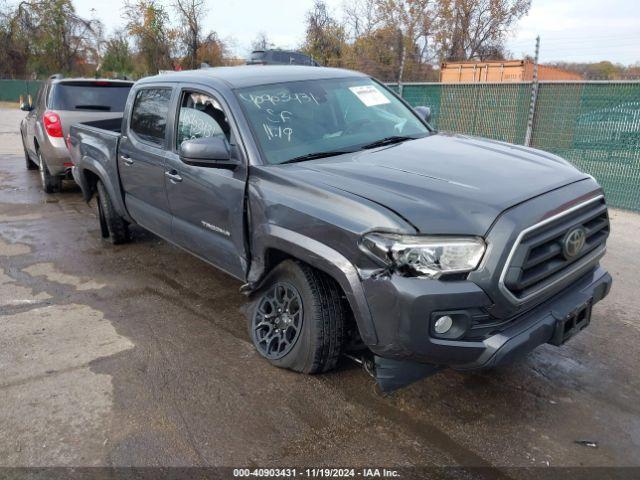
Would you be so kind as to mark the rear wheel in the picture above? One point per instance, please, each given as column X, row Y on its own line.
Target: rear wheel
column 297, row 319
column 30, row 164
column 112, row 225
column 50, row 183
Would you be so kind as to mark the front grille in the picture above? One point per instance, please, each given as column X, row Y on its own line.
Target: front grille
column 538, row 259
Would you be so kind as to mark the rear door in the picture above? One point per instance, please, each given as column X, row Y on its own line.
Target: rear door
column 207, row 204
column 142, row 158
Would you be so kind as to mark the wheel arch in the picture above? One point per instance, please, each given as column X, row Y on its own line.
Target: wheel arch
column 277, row 244
column 90, row 172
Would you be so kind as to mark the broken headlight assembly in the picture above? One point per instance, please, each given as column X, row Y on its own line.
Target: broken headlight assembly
column 424, row 256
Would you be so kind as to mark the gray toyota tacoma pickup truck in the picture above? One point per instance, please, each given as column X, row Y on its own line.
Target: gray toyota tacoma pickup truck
column 353, row 225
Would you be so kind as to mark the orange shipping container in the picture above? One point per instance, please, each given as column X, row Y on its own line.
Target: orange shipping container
column 501, row 71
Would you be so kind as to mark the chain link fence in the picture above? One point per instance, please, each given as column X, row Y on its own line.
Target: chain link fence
column 594, row 125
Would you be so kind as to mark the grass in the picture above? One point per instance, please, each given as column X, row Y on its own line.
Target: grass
column 9, row 105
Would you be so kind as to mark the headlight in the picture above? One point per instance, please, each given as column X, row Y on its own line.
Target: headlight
column 425, row 256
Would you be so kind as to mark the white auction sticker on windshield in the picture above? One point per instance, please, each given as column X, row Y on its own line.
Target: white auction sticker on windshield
column 369, row 95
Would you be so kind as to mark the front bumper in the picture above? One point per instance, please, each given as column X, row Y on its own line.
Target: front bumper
column 401, row 309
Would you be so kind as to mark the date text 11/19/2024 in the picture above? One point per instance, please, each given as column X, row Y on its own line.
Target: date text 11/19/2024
column 316, row 473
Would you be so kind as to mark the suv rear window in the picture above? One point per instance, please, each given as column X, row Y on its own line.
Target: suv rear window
column 90, row 96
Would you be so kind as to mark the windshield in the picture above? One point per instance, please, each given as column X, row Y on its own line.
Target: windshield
column 98, row 96
column 295, row 119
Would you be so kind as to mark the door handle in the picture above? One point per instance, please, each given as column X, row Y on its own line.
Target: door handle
column 173, row 176
column 128, row 161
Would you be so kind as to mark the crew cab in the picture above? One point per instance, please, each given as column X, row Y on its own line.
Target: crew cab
column 351, row 222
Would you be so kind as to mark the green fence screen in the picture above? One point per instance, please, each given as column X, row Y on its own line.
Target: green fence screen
column 594, row 125
column 10, row 90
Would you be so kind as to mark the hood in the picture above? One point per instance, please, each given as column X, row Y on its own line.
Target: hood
column 443, row 184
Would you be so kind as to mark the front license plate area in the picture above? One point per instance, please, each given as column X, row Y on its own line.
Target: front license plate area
column 566, row 328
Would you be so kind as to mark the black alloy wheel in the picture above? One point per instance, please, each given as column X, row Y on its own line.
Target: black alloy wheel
column 277, row 321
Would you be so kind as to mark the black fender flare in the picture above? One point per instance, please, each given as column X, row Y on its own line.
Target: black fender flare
column 95, row 167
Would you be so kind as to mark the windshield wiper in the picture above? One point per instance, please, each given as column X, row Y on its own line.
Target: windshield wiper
column 387, row 141
column 312, row 156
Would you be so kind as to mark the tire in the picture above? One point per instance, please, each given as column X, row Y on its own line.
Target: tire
column 112, row 225
column 50, row 183
column 317, row 342
column 30, row 164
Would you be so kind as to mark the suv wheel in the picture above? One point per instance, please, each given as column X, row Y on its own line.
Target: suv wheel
column 50, row 183
column 297, row 319
column 29, row 163
column 112, row 225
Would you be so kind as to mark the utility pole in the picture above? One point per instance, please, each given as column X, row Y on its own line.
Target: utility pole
column 401, row 72
column 534, row 96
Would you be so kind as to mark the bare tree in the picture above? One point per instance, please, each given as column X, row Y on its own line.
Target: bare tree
column 148, row 24
column 261, row 42
column 476, row 29
column 213, row 50
column 412, row 20
column 55, row 38
column 190, row 14
column 361, row 17
column 325, row 36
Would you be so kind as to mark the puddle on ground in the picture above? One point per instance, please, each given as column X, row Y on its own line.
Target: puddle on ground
column 13, row 249
column 12, row 294
column 49, row 271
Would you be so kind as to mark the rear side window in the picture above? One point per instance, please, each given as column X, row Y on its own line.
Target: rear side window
column 149, row 116
column 89, row 96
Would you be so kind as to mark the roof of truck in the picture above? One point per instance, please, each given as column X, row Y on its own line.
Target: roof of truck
column 252, row 75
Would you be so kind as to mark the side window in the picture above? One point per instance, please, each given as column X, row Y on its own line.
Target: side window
column 201, row 116
column 149, row 116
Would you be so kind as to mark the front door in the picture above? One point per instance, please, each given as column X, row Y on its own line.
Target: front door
column 32, row 118
column 142, row 157
column 207, row 204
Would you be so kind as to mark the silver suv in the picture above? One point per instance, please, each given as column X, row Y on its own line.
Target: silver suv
column 60, row 103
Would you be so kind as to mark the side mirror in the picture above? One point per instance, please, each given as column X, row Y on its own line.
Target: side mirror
column 25, row 107
column 424, row 113
column 212, row 152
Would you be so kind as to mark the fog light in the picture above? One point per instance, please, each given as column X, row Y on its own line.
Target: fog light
column 443, row 325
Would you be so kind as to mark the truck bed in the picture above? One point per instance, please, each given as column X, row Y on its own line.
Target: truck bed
column 109, row 124
column 93, row 147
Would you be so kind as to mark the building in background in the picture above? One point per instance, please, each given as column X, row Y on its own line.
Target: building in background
column 501, row 71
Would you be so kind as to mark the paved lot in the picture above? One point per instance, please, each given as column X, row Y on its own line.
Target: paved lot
column 138, row 355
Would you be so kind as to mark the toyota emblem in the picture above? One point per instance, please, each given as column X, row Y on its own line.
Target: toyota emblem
column 573, row 242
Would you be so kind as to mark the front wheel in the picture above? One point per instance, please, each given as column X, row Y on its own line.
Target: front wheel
column 297, row 319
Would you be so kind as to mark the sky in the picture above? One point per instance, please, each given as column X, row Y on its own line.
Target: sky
column 570, row 30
